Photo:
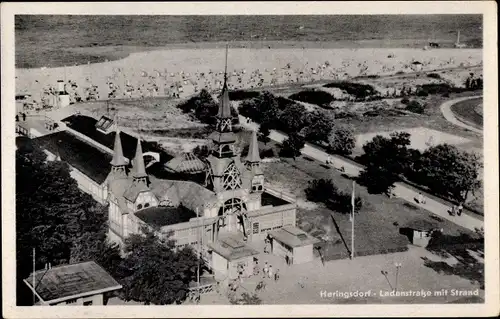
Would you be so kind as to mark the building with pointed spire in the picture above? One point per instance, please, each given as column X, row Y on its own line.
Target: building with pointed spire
column 224, row 212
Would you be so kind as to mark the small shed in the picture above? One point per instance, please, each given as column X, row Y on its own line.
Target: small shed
column 232, row 257
column 419, row 231
column 76, row 284
column 293, row 243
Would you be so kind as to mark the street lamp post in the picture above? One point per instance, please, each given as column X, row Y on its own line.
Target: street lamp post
column 398, row 265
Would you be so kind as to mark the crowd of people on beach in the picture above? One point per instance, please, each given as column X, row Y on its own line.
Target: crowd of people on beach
column 127, row 83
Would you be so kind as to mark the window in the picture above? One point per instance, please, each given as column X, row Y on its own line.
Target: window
column 255, row 228
column 139, row 206
column 87, row 303
column 71, row 301
column 146, row 205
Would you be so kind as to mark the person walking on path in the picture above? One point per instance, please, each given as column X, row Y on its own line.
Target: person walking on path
column 277, row 275
column 266, row 246
column 270, row 271
column 421, row 198
column 265, row 270
column 459, row 209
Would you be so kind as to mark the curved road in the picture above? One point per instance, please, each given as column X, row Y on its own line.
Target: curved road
column 450, row 117
column 400, row 190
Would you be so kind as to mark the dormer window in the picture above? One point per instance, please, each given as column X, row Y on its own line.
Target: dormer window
column 146, row 205
column 139, row 206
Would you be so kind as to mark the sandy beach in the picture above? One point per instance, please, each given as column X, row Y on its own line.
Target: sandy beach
column 186, row 71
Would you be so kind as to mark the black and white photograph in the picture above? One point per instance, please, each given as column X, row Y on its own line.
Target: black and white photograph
column 302, row 159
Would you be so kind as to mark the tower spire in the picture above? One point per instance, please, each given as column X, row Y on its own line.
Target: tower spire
column 224, row 105
column 253, row 150
column 118, row 158
column 225, row 66
column 139, row 168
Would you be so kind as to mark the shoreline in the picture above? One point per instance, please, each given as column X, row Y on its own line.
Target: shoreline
column 84, row 55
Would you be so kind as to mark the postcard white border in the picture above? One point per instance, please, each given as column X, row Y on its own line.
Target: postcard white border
column 488, row 9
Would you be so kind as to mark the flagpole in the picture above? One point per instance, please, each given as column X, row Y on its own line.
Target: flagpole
column 352, row 221
column 34, row 280
column 199, row 255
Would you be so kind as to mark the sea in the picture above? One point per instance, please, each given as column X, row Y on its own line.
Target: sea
column 42, row 40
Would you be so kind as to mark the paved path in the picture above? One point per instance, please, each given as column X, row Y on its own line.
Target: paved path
column 400, row 190
column 450, row 117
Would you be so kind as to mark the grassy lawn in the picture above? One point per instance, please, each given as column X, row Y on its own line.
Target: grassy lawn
column 376, row 225
column 468, row 110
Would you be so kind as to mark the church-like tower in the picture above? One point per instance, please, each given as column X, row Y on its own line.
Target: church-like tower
column 225, row 165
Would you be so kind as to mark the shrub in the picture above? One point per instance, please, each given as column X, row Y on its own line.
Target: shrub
column 415, row 107
column 267, row 153
column 422, row 93
column 321, row 190
column 342, row 203
column 239, row 95
column 318, row 97
column 358, row 90
column 434, row 76
column 405, row 101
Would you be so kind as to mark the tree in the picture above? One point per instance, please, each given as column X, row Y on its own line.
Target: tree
column 377, row 179
column 203, row 106
column 341, row 140
column 318, row 126
column 155, row 272
column 293, row 118
column 262, row 109
column 292, row 146
column 96, row 247
column 385, row 160
column 51, row 211
column 447, row 170
column 264, row 133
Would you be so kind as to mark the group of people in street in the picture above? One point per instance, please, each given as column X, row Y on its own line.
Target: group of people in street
column 456, row 209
